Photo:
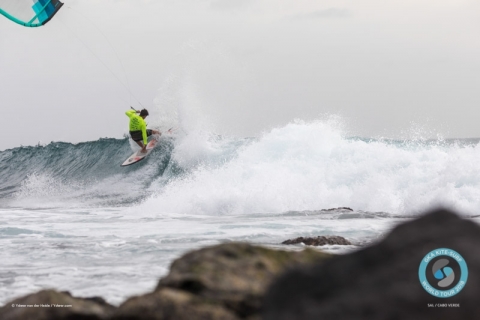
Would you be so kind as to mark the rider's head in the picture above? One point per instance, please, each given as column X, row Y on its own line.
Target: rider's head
column 144, row 113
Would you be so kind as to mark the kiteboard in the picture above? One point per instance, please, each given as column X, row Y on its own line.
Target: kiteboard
column 139, row 155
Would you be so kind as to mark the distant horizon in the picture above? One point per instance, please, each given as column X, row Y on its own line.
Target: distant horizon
column 44, row 144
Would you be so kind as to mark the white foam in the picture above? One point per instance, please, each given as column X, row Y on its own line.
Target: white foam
column 312, row 165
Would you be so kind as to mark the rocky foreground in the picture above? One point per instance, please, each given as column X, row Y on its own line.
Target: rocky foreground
column 236, row 281
column 224, row 282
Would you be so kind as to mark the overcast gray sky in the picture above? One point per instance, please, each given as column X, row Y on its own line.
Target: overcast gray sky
column 385, row 67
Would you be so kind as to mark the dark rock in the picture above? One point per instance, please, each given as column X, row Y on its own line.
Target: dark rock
column 382, row 281
column 338, row 209
column 319, row 241
column 171, row 304
column 54, row 305
column 233, row 275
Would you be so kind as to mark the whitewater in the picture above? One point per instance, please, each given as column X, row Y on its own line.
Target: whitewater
column 72, row 219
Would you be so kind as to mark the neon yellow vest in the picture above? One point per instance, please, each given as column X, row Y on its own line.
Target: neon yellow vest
column 137, row 124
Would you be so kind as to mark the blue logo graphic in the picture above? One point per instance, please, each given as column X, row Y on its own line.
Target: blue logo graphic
column 443, row 273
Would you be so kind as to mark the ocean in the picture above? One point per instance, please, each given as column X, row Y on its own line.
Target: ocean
column 72, row 219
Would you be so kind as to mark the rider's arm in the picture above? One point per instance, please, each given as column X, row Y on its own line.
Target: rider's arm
column 130, row 113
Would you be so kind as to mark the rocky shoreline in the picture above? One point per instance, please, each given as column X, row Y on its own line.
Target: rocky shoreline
column 233, row 281
column 226, row 281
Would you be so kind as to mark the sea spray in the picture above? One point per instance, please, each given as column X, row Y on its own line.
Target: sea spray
column 312, row 165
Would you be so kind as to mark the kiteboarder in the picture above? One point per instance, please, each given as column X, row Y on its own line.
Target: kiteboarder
column 138, row 127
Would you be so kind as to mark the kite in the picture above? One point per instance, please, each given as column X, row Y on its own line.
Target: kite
column 30, row 13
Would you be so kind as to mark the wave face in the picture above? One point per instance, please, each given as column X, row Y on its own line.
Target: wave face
column 298, row 167
column 85, row 174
